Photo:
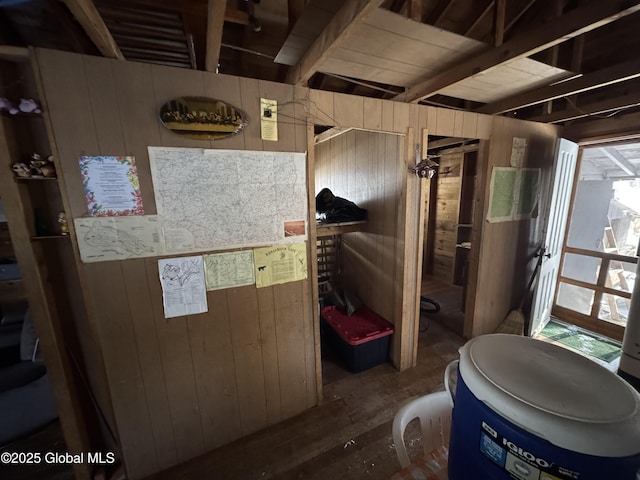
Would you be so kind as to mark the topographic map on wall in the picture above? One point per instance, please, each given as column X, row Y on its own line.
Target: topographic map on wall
column 118, row 238
column 220, row 199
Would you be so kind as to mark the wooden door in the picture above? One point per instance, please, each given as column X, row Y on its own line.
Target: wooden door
column 562, row 180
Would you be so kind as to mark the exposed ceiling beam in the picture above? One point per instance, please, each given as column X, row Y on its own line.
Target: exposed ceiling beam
column 415, row 10
column 342, row 24
column 438, row 12
column 518, row 16
column 479, row 19
column 590, row 131
column 576, row 22
column 89, row 18
column 597, row 108
column 619, row 160
column 499, row 22
column 294, row 10
column 215, row 22
column 607, row 76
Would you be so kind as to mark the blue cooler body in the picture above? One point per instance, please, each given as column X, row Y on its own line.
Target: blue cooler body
column 526, row 409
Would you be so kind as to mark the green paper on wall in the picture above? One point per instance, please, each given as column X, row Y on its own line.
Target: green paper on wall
column 502, row 189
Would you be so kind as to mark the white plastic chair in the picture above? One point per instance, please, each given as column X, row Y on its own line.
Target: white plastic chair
column 434, row 412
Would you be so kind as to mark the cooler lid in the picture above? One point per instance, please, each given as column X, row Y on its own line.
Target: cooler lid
column 548, row 389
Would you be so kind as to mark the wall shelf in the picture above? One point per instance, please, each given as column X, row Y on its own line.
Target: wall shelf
column 329, row 229
column 48, row 237
column 33, row 179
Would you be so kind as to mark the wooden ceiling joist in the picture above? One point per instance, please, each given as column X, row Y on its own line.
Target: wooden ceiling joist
column 345, row 20
column 478, row 21
column 89, row 18
column 607, row 76
column 415, row 10
column 137, row 30
column 215, row 22
column 533, row 40
column 602, row 107
column 619, row 160
column 294, row 11
column 499, row 22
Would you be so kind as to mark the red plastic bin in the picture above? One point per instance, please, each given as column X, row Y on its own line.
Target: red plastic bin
column 360, row 340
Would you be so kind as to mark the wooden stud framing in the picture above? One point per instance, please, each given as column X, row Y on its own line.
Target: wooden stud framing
column 580, row 20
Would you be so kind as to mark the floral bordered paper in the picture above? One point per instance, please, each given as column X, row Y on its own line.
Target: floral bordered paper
column 118, row 172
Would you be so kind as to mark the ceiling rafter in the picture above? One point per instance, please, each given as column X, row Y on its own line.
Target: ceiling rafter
column 215, row 22
column 438, row 12
column 87, row 15
column 415, row 10
column 621, row 162
column 533, row 40
column 294, row 11
column 478, row 21
column 602, row 107
column 344, row 21
column 499, row 22
column 601, row 78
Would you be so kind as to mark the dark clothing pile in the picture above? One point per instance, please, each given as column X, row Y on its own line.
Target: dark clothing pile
column 334, row 209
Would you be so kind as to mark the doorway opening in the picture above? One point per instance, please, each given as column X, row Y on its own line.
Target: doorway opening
column 357, row 259
column 449, row 215
column 598, row 269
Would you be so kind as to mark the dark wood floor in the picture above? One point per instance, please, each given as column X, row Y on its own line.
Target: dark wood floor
column 449, row 297
column 348, row 436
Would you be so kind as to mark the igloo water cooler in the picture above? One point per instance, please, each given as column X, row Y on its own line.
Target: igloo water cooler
column 529, row 410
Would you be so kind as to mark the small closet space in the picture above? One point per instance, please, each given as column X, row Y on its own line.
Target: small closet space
column 356, row 259
column 448, row 227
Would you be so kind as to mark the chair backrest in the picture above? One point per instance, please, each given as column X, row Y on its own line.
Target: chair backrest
column 434, row 412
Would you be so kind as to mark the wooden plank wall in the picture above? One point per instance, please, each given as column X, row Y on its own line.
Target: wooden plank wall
column 334, row 109
column 500, row 261
column 449, row 181
column 181, row 386
column 500, row 268
column 364, row 167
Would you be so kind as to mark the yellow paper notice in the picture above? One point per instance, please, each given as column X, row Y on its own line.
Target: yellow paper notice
column 268, row 119
column 280, row 264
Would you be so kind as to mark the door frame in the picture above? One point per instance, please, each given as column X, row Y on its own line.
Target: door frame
column 422, row 219
column 590, row 322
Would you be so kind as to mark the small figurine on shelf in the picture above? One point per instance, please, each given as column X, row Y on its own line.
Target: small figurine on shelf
column 29, row 105
column 21, row 170
column 7, row 106
column 42, row 168
column 62, row 220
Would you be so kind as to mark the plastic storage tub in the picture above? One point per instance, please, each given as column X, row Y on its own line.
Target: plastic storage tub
column 361, row 340
column 526, row 409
